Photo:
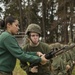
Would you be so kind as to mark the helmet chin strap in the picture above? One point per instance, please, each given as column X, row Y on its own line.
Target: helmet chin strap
column 33, row 42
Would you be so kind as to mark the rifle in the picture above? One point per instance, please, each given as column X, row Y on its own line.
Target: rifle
column 55, row 52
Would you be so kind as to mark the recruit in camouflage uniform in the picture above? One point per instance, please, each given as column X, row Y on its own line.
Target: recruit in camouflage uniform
column 68, row 59
column 58, row 66
column 72, row 57
column 34, row 31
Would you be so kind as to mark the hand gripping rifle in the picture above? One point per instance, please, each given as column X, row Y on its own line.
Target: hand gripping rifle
column 56, row 52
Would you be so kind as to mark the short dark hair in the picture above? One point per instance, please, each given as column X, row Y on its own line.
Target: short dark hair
column 8, row 19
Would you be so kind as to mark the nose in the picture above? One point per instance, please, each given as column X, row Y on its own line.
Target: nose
column 18, row 28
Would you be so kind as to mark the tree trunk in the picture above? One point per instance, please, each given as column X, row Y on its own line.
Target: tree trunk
column 44, row 18
column 20, row 10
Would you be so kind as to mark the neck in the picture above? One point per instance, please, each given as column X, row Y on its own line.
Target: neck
column 8, row 31
column 33, row 44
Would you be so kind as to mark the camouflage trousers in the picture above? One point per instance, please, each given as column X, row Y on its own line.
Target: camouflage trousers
column 4, row 73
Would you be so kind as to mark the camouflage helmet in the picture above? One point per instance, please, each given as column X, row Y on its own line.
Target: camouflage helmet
column 33, row 28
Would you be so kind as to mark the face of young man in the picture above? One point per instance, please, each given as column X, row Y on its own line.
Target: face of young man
column 34, row 37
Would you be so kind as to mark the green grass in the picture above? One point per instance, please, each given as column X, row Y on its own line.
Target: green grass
column 18, row 70
column 73, row 73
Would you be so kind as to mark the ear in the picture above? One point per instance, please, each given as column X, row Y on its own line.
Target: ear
column 8, row 25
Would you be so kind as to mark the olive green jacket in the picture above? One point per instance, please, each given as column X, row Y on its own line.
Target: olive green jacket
column 42, row 69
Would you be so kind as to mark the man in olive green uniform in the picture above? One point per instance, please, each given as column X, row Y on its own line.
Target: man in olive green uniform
column 34, row 31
